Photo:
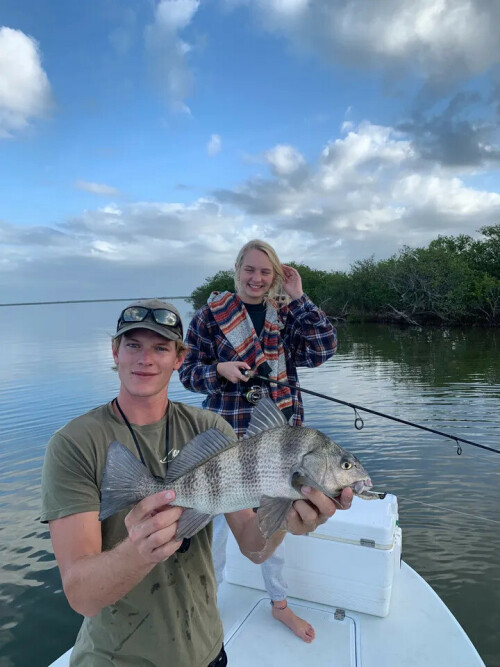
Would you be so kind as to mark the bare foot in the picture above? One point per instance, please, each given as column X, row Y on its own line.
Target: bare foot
column 301, row 628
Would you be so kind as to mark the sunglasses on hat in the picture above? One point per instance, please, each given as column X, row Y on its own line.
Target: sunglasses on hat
column 161, row 316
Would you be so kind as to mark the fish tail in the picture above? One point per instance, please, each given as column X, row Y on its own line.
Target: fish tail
column 125, row 481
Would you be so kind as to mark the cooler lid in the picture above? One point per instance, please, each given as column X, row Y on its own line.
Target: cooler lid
column 369, row 522
column 260, row 640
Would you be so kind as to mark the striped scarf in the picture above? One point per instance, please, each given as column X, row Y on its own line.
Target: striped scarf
column 234, row 321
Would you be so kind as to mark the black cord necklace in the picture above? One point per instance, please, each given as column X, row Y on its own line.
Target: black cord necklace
column 186, row 541
column 136, row 442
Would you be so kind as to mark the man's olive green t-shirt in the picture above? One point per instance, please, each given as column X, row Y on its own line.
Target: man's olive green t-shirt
column 170, row 618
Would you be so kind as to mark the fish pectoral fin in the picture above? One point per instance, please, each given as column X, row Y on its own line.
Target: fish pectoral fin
column 300, row 478
column 191, row 522
column 272, row 513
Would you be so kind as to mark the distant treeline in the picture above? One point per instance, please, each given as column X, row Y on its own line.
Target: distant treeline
column 453, row 281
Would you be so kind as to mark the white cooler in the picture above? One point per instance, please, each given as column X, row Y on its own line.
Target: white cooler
column 348, row 562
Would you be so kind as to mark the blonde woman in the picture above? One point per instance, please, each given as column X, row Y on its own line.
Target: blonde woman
column 268, row 324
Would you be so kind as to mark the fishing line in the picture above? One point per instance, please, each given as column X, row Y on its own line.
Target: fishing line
column 448, row 509
column 359, row 423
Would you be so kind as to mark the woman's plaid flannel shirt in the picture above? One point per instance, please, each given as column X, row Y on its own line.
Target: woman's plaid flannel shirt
column 308, row 338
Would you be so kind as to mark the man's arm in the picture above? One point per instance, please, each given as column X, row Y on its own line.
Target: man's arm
column 304, row 517
column 252, row 544
column 93, row 579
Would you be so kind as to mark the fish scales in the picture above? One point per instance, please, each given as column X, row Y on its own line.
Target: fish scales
column 248, row 464
column 196, row 484
column 213, row 474
column 238, row 477
column 203, row 483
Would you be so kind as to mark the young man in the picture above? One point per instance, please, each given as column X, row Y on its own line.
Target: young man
column 146, row 600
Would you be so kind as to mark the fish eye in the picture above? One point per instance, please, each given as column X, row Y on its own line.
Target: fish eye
column 346, row 465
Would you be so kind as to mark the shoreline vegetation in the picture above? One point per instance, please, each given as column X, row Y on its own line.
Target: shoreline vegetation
column 454, row 281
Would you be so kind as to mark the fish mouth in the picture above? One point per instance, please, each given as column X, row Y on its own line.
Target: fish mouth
column 363, row 489
column 362, row 486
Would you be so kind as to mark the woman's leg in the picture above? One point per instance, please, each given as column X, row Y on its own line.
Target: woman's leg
column 272, row 572
column 219, row 543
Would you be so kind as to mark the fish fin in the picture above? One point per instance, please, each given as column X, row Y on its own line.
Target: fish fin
column 198, row 450
column 271, row 514
column 265, row 415
column 301, row 478
column 123, row 475
column 191, row 522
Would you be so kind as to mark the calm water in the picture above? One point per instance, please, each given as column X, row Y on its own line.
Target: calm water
column 55, row 364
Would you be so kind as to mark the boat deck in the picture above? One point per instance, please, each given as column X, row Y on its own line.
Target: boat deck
column 419, row 631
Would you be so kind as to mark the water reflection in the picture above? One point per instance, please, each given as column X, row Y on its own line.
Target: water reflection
column 448, row 380
column 435, row 357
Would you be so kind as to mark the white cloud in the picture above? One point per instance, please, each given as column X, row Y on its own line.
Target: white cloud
column 370, row 193
column 169, row 52
column 173, row 15
column 287, row 8
column 438, row 38
column 97, row 188
column 367, row 192
column 364, row 151
column 214, row 146
column 124, row 34
column 284, row 160
column 24, row 86
column 103, row 247
column 445, row 195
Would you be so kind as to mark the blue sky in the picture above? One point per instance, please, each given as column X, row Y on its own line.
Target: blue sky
column 142, row 143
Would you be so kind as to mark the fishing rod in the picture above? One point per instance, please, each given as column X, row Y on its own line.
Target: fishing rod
column 51, row 303
column 359, row 423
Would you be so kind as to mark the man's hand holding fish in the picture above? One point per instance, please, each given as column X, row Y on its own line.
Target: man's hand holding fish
column 152, row 527
column 306, row 515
